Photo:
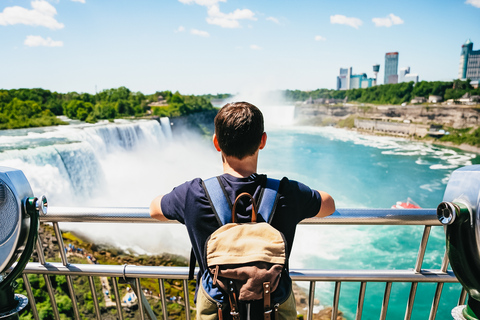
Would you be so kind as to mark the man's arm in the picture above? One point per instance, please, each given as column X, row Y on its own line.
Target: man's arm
column 156, row 209
column 328, row 205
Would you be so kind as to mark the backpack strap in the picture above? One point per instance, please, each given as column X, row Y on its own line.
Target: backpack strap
column 221, row 207
column 268, row 200
column 219, row 201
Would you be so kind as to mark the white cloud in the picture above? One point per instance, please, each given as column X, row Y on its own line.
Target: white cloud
column 200, row 33
column 180, row 29
column 273, row 20
column 389, row 21
column 340, row 19
column 38, row 41
column 255, row 47
column 42, row 14
column 320, row 38
column 475, row 3
column 228, row 20
column 81, row 1
column 206, row 3
column 224, row 20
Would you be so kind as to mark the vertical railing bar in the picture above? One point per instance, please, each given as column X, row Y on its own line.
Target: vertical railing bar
column 436, row 301
column 140, row 298
column 91, row 281
column 421, row 251
column 186, row 297
column 58, row 234
column 164, row 300
column 411, row 300
column 386, row 298
column 445, row 262
column 51, row 294
column 31, row 298
column 40, row 254
column 361, row 298
column 463, row 297
column 336, row 298
column 311, row 300
column 118, row 300
column 73, row 296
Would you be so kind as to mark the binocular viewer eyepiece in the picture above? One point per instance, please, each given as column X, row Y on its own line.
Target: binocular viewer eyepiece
column 19, row 213
column 460, row 214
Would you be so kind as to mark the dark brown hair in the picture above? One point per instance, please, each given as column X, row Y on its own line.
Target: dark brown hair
column 239, row 129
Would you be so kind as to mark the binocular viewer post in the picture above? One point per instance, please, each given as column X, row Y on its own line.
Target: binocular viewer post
column 460, row 214
column 19, row 213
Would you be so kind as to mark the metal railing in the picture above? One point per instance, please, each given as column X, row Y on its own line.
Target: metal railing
column 132, row 274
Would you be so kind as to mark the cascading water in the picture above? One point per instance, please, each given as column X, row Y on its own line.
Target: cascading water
column 66, row 162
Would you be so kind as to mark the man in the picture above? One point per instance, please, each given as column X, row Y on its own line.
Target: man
column 239, row 136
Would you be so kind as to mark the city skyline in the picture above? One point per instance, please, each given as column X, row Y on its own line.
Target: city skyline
column 225, row 46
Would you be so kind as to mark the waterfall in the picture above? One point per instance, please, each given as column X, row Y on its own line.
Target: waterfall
column 67, row 163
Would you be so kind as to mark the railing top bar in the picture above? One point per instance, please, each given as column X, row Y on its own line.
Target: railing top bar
column 341, row 216
column 131, row 271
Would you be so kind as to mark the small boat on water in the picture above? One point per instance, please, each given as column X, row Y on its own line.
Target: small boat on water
column 408, row 204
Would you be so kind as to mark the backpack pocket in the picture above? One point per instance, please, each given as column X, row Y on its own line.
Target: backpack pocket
column 207, row 307
column 286, row 310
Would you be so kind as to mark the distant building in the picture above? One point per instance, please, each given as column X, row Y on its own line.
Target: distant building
column 434, row 99
column 343, row 79
column 469, row 67
column 346, row 80
column 391, row 67
column 418, row 100
column 404, row 75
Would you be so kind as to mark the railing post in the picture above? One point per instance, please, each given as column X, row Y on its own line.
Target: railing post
column 311, row 300
column 118, row 300
column 31, row 298
column 436, row 300
column 336, row 298
column 361, row 298
column 187, row 299
column 91, row 281
column 164, row 300
column 411, row 300
column 423, row 247
column 140, row 298
column 48, row 283
column 63, row 255
column 386, row 298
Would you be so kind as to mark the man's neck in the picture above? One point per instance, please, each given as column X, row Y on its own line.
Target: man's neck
column 240, row 168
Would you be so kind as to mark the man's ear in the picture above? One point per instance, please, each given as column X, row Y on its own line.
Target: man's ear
column 215, row 143
column 263, row 142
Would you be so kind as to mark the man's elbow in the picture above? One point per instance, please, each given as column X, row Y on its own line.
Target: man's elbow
column 156, row 209
column 328, row 205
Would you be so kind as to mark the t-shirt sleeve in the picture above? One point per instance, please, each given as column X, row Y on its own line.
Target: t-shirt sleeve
column 306, row 200
column 173, row 203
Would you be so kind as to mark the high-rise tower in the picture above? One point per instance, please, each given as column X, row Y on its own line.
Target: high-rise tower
column 391, row 67
column 376, row 68
column 469, row 67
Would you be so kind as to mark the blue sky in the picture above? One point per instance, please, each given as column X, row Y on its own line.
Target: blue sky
column 225, row 46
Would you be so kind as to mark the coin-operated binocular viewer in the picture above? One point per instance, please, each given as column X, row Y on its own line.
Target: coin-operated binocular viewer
column 19, row 220
column 460, row 213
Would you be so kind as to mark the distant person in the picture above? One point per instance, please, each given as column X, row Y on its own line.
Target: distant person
column 239, row 136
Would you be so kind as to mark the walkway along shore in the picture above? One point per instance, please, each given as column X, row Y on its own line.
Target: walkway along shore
column 413, row 122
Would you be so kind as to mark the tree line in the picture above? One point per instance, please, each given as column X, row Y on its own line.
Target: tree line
column 391, row 93
column 24, row 108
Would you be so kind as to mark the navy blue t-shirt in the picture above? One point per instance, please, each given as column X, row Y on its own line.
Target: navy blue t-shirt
column 189, row 205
